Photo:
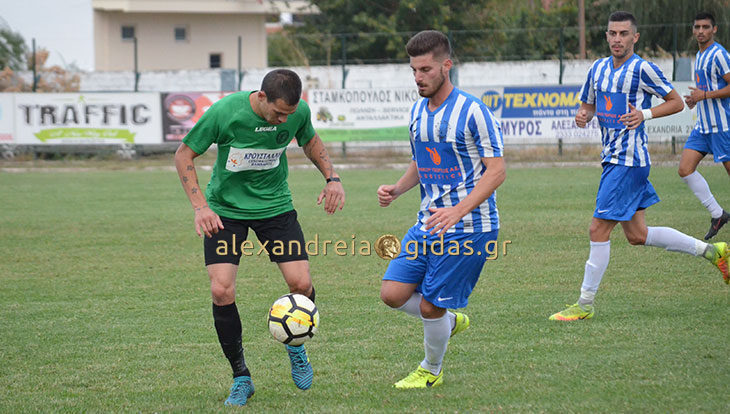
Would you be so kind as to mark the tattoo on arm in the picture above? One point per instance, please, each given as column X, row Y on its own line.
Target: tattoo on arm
column 190, row 168
column 194, row 190
column 185, row 179
column 326, row 167
column 320, row 159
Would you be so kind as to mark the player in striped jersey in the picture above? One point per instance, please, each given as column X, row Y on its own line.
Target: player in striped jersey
column 456, row 146
column 712, row 131
column 618, row 91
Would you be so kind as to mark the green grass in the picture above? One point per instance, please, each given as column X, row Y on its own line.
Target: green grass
column 105, row 307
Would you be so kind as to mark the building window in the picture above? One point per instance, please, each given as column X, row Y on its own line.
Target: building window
column 127, row 32
column 215, row 60
column 181, row 33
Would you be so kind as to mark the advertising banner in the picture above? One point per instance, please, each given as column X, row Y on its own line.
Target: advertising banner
column 361, row 114
column 7, row 120
column 92, row 118
column 538, row 114
column 181, row 110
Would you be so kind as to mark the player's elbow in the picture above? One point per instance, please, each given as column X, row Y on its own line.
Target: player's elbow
column 499, row 175
column 677, row 106
column 502, row 176
column 184, row 154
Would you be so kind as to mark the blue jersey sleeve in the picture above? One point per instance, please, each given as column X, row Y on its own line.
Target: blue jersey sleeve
column 587, row 93
column 487, row 132
column 654, row 81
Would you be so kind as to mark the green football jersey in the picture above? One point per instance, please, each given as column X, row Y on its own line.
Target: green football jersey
column 249, row 176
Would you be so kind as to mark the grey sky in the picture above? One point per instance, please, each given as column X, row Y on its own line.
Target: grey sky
column 63, row 27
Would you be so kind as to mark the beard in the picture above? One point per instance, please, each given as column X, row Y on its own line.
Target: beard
column 439, row 83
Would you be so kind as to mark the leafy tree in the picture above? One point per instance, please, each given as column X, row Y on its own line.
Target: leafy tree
column 50, row 79
column 12, row 50
column 375, row 31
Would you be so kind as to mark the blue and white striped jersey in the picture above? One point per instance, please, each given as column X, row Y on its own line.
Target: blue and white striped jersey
column 611, row 90
column 448, row 145
column 713, row 115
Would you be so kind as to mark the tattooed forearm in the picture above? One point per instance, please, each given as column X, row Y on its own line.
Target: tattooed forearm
column 325, row 164
column 317, row 153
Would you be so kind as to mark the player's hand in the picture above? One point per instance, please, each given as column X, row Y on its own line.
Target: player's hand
column 442, row 219
column 581, row 118
column 633, row 118
column 333, row 195
column 208, row 221
column 695, row 95
column 386, row 195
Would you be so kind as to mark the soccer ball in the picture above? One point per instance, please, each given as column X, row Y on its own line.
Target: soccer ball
column 293, row 319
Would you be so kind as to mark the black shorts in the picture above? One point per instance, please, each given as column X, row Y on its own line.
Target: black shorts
column 280, row 236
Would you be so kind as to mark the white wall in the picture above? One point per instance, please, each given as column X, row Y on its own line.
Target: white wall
column 363, row 76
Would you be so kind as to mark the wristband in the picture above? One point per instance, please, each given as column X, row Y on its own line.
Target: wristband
column 335, row 179
column 647, row 114
column 705, row 98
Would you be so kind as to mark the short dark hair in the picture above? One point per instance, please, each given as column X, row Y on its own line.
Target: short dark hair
column 429, row 41
column 706, row 16
column 623, row 16
column 282, row 84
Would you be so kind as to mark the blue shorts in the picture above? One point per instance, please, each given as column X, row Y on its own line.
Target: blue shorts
column 623, row 191
column 717, row 144
column 448, row 271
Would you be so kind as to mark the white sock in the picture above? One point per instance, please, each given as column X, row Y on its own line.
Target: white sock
column 452, row 319
column 674, row 241
column 698, row 185
column 412, row 305
column 436, row 334
column 595, row 267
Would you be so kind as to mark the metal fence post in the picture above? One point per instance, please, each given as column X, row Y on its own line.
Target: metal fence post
column 240, row 76
column 562, row 51
column 344, row 60
column 136, row 68
column 35, row 76
column 560, row 147
column 674, row 51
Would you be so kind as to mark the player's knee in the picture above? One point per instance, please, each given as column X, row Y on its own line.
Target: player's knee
column 684, row 171
column 390, row 299
column 302, row 286
column 430, row 311
column 594, row 230
column 636, row 239
column 222, row 294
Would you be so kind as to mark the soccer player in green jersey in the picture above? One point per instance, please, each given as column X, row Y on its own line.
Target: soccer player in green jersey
column 248, row 189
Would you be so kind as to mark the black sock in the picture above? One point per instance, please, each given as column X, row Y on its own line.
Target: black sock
column 311, row 295
column 228, row 327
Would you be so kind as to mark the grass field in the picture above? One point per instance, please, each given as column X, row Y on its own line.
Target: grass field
column 105, row 307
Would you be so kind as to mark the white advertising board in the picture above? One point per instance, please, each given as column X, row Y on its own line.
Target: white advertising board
column 91, row 118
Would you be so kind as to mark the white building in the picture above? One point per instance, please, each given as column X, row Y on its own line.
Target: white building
column 185, row 34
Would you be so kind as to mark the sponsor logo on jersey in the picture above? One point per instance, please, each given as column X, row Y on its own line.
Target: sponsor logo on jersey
column 240, row 159
column 265, row 129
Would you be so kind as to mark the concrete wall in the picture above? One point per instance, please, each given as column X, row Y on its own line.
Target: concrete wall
column 363, row 76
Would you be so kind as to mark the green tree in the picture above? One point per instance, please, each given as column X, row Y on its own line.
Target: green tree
column 659, row 22
column 376, row 31
column 12, row 50
column 370, row 31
